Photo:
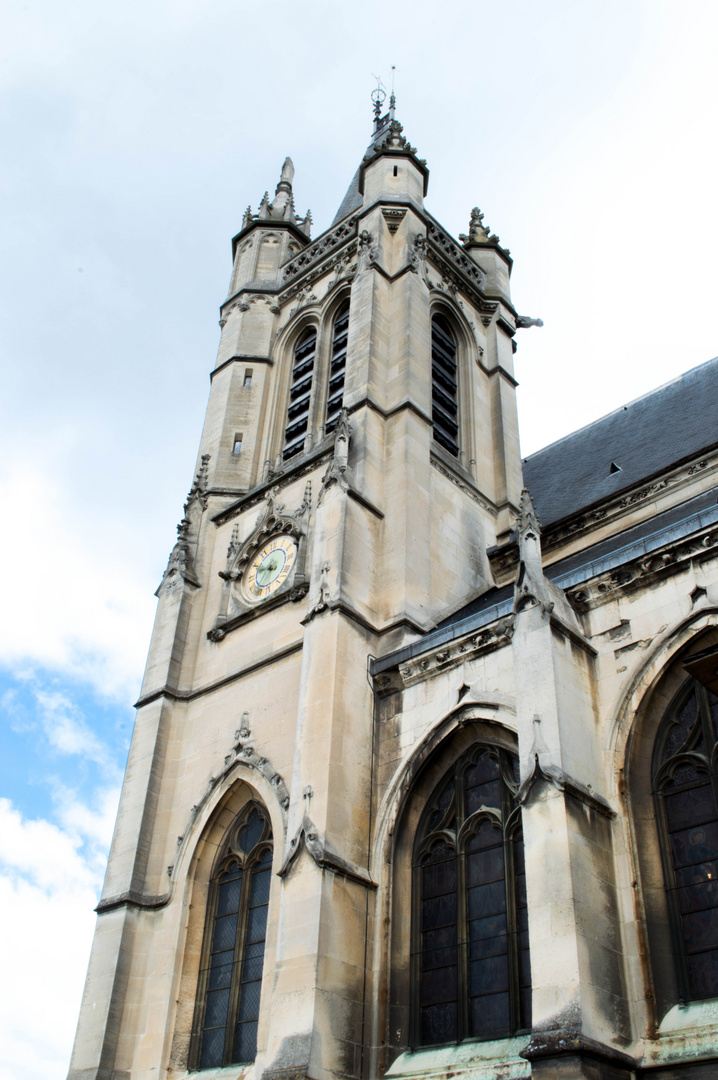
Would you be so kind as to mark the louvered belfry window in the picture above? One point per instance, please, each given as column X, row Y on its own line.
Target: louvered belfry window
column 300, row 394
column 337, row 368
column 230, row 980
column 444, row 389
column 685, row 790
column 470, row 950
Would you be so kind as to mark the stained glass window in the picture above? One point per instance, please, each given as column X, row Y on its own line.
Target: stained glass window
column 470, row 952
column 685, row 789
column 230, row 980
column 337, row 368
column 444, row 390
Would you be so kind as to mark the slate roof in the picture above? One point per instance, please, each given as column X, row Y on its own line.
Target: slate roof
column 649, row 435
column 352, row 200
column 648, row 536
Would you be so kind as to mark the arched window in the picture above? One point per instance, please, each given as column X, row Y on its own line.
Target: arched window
column 444, row 389
column 337, row 368
column 230, row 979
column 470, row 953
column 685, row 791
column 300, row 393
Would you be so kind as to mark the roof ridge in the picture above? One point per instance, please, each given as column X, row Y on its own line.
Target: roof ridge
column 619, row 409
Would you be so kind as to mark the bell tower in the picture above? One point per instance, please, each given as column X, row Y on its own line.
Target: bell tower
column 359, row 456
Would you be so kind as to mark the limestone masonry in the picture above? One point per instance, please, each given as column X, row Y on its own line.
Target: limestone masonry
column 424, row 778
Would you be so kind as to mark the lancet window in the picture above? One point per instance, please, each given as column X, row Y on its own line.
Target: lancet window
column 471, row 971
column 685, row 791
column 230, row 979
column 337, row 368
column 444, row 385
column 300, row 394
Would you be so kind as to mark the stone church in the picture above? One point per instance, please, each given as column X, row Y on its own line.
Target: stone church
column 424, row 776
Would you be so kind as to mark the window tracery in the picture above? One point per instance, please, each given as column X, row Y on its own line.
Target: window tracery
column 230, row 979
column 470, row 952
column 685, row 792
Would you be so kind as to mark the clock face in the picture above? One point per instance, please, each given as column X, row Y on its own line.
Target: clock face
column 270, row 568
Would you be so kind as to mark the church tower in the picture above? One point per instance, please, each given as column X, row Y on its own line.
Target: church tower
column 362, row 689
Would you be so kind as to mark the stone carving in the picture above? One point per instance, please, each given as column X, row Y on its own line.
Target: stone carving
column 336, row 470
column 447, row 656
column 417, row 258
column 344, row 268
column 393, row 216
column 303, row 297
column 478, row 233
column 635, row 573
column 531, row 587
column 367, row 253
column 524, row 321
column 393, row 140
column 542, row 768
column 460, row 260
column 180, row 565
column 307, row 837
column 272, row 521
column 282, row 206
column 327, row 244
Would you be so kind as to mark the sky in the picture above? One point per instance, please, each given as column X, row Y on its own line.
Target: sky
column 134, row 136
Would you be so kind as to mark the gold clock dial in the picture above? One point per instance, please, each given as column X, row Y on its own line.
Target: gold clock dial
column 270, row 568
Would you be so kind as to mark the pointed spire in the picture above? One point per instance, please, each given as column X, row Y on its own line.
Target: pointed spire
column 282, row 207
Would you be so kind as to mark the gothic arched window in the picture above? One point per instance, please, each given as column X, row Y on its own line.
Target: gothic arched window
column 685, row 790
column 444, row 385
column 338, row 366
column 300, row 394
column 230, row 979
column 470, row 949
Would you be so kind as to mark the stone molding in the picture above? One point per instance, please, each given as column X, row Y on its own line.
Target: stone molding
column 462, row 485
column 645, row 569
column 307, row 838
column 189, row 695
column 324, row 244
column 235, row 607
column 446, row 656
column 609, row 510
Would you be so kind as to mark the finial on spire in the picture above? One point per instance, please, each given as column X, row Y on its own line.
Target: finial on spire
column 378, row 96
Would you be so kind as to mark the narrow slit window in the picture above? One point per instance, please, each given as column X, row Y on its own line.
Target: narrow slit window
column 230, row 980
column 237, row 444
column 248, row 372
column 337, row 369
column 444, row 387
column 300, row 394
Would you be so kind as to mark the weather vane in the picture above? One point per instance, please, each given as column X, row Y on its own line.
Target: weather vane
column 378, row 96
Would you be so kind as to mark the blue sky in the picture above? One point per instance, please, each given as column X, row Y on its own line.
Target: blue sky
column 134, row 136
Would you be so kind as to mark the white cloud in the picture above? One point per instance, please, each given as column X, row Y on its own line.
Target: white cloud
column 77, row 606
column 50, row 880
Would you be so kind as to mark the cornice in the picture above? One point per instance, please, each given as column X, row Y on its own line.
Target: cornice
column 639, row 572
column 445, row 656
column 610, row 510
column 240, row 358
